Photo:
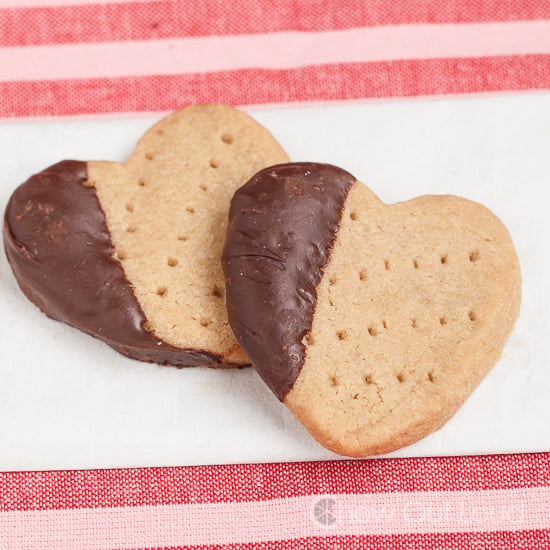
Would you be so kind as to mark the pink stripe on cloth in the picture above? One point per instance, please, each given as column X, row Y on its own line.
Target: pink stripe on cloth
column 277, row 520
column 273, row 51
column 54, row 23
column 50, row 3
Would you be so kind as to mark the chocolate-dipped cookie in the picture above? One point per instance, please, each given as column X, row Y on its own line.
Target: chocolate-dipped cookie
column 129, row 252
column 371, row 322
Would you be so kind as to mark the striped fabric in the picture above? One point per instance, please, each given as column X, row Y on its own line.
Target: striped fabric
column 80, row 58
column 89, row 58
column 477, row 502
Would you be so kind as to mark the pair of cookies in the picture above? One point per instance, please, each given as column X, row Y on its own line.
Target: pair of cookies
column 372, row 323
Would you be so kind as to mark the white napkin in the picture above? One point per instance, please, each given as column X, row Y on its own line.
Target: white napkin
column 69, row 401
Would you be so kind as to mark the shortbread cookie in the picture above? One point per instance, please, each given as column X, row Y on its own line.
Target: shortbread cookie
column 371, row 322
column 130, row 252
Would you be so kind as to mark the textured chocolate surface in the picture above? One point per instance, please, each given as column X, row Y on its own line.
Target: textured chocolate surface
column 59, row 247
column 282, row 226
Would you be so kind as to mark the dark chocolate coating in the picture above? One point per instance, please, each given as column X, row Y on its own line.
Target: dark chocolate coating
column 282, row 226
column 60, row 249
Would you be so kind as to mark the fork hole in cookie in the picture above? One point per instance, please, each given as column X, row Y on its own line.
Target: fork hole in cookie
column 309, row 339
column 213, row 164
column 141, row 183
column 149, row 156
column 368, row 379
column 474, row 256
column 334, row 381
column 182, row 237
column 400, row 378
column 385, row 323
column 131, row 229
column 386, row 265
column 129, row 207
column 443, row 259
column 472, row 315
column 172, row 262
column 342, row 335
column 332, row 281
column 161, row 291
column 205, row 322
column 442, row 321
column 363, row 275
column 217, row 292
column 190, row 210
column 431, row 377
column 372, row 331
column 353, row 216
column 415, row 263
column 227, row 138
column 204, row 187
column 413, row 323
column 121, row 255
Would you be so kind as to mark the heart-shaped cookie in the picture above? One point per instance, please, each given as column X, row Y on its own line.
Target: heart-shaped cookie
column 371, row 322
column 130, row 252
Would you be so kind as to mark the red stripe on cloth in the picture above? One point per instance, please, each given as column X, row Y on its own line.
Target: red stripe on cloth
column 242, row 483
column 155, row 20
column 320, row 83
column 524, row 540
